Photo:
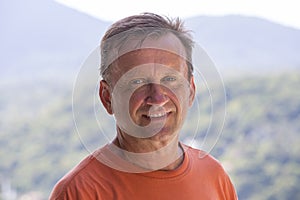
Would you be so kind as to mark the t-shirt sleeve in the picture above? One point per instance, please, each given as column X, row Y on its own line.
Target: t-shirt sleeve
column 58, row 192
column 65, row 190
column 227, row 186
column 62, row 191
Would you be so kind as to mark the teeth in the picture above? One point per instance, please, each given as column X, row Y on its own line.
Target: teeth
column 157, row 115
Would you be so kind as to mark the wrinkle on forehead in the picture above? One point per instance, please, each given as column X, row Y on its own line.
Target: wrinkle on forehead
column 149, row 55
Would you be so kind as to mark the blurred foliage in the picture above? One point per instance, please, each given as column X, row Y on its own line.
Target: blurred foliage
column 259, row 145
column 262, row 134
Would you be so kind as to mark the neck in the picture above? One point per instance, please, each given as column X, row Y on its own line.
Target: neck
column 149, row 153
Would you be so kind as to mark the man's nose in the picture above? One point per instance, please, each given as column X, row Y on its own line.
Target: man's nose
column 156, row 95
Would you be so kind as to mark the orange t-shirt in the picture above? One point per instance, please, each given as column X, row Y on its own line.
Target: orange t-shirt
column 196, row 178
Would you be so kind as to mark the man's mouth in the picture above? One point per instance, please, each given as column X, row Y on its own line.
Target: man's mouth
column 157, row 115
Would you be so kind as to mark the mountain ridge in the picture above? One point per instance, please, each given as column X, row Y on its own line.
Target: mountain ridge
column 49, row 39
column 239, row 42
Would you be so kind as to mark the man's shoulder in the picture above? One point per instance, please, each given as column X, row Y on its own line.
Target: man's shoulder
column 203, row 159
column 81, row 176
column 211, row 170
column 76, row 173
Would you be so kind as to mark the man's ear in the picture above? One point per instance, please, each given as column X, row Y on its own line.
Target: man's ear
column 192, row 91
column 105, row 96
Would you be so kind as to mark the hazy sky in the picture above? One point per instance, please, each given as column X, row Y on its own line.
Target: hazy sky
column 286, row 12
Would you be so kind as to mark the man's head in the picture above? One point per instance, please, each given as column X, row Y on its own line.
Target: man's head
column 147, row 75
column 138, row 28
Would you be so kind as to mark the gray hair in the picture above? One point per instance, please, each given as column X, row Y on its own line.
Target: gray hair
column 140, row 27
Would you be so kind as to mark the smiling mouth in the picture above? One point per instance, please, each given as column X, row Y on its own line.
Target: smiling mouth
column 159, row 115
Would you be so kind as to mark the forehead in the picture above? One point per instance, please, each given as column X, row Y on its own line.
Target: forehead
column 167, row 50
column 148, row 56
column 152, row 61
column 167, row 42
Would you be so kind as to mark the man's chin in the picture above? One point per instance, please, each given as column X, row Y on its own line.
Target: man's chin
column 164, row 134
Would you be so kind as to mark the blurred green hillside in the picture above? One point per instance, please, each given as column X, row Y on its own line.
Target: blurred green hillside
column 43, row 45
column 259, row 145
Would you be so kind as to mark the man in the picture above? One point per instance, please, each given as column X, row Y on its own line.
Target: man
column 148, row 85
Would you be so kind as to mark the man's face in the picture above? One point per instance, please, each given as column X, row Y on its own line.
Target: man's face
column 151, row 91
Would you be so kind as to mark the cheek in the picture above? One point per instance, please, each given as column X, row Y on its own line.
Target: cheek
column 180, row 96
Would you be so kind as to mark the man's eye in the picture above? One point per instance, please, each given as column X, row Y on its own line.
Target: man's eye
column 169, row 79
column 137, row 81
